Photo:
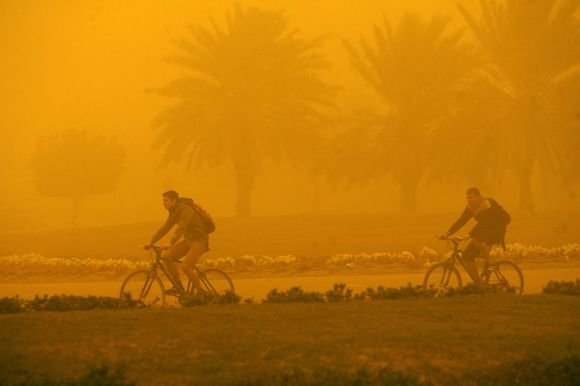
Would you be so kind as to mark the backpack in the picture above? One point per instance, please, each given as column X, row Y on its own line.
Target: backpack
column 206, row 219
column 506, row 216
column 500, row 212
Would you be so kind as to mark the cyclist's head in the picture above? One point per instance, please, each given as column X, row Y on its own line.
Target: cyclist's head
column 473, row 196
column 170, row 198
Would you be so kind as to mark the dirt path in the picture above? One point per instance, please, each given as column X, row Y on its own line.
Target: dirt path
column 257, row 288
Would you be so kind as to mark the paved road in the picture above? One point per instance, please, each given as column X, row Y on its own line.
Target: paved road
column 257, row 288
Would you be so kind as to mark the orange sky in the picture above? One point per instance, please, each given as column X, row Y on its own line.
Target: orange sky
column 70, row 64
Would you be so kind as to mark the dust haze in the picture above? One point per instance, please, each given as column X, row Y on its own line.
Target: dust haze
column 95, row 67
column 330, row 141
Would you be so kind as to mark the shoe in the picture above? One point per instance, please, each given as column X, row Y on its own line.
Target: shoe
column 173, row 291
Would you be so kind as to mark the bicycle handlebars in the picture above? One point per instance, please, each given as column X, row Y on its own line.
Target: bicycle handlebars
column 157, row 248
column 454, row 239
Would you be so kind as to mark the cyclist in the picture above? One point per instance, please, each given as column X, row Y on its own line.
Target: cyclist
column 189, row 241
column 492, row 220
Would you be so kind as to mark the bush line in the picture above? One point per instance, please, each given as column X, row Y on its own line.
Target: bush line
column 563, row 288
column 339, row 293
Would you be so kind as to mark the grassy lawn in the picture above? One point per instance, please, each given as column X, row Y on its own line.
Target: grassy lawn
column 436, row 338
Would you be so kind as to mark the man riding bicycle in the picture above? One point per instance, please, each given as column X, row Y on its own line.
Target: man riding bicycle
column 492, row 220
column 189, row 241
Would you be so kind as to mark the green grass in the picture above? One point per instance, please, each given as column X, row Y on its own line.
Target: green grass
column 436, row 339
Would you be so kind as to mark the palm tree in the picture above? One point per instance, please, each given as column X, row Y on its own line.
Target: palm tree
column 253, row 92
column 569, row 110
column 533, row 57
column 416, row 71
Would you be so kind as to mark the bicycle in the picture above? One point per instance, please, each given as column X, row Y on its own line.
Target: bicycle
column 500, row 276
column 146, row 286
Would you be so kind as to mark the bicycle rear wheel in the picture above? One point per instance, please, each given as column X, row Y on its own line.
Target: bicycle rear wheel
column 217, row 282
column 143, row 288
column 440, row 278
column 506, row 277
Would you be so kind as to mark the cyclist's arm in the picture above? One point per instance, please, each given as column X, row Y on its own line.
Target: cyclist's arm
column 185, row 218
column 461, row 221
column 162, row 231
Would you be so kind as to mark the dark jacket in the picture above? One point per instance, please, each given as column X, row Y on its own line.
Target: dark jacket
column 491, row 223
column 189, row 225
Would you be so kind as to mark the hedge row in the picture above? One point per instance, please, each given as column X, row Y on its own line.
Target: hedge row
column 339, row 293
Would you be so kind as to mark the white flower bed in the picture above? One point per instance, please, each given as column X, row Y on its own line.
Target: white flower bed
column 32, row 263
column 246, row 262
column 377, row 257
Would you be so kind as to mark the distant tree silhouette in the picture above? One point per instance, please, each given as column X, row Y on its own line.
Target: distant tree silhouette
column 532, row 53
column 416, row 70
column 569, row 109
column 74, row 165
column 254, row 92
column 465, row 149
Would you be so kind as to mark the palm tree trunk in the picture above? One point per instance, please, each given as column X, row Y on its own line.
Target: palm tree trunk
column 408, row 195
column 75, row 212
column 526, row 202
column 528, row 157
column 245, row 178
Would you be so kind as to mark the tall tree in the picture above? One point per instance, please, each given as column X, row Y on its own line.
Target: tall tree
column 74, row 165
column 416, row 70
column 533, row 57
column 253, row 92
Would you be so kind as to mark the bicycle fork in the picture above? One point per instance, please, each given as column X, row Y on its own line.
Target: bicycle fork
column 147, row 286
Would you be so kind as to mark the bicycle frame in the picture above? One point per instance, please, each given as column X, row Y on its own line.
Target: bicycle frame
column 457, row 255
column 493, row 274
column 158, row 265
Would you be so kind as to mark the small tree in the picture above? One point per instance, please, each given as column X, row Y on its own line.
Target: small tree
column 74, row 165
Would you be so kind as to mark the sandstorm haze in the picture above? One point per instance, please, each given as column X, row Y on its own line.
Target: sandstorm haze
column 105, row 69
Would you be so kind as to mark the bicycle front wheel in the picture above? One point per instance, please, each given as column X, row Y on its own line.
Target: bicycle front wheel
column 217, row 282
column 142, row 287
column 440, row 278
column 505, row 277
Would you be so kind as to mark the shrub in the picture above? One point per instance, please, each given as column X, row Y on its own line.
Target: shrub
column 63, row 303
column 382, row 293
column 294, row 295
column 339, row 293
column 77, row 303
column 476, row 289
column 563, row 288
column 11, row 305
column 204, row 298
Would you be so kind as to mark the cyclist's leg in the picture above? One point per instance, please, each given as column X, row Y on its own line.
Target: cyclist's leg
column 171, row 261
column 196, row 249
column 483, row 248
column 469, row 254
